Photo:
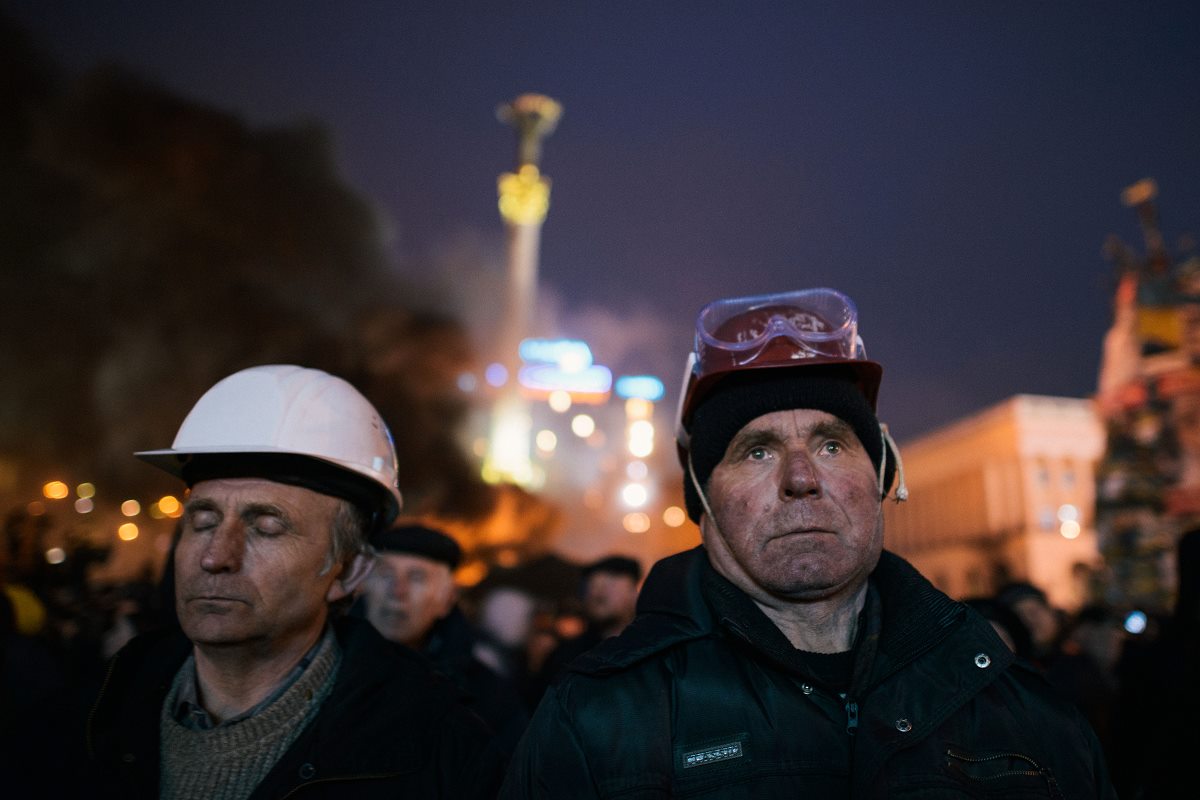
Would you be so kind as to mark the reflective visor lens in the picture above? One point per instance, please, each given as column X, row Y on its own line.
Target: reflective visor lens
column 811, row 323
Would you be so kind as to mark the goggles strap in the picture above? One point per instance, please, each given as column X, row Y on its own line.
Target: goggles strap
column 699, row 489
column 889, row 444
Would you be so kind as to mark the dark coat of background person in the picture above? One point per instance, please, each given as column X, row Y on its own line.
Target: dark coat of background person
column 480, row 688
column 1158, row 716
column 388, row 729
column 38, row 709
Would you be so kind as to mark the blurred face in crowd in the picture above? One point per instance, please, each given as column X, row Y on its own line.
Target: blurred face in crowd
column 610, row 599
column 252, row 564
column 407, row 594
column 797, row 508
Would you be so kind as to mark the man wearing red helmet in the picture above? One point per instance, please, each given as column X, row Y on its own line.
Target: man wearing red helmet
column 790, row 655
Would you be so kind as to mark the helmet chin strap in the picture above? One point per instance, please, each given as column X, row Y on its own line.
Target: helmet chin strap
column 699, row 489
column 889, row 444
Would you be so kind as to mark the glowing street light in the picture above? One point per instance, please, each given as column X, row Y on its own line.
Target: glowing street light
column 674, row 516
column 55, row 490
column 636, row 522
column 583, row 426
column 634, row 495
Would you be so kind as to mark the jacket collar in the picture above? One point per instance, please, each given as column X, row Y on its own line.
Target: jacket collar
column 914, row 616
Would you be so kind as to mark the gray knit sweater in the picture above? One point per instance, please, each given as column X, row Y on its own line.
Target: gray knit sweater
column 228, row 761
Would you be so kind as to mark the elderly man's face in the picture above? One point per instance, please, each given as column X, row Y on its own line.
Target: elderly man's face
column 251, row 566
column 407, row 594
column 797, row 507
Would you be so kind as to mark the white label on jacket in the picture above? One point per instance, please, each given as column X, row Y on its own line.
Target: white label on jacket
column 722, row 752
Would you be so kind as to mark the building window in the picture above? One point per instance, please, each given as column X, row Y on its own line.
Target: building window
column 1047, row 519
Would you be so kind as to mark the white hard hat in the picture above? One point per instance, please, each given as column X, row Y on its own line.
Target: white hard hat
column 292, row 425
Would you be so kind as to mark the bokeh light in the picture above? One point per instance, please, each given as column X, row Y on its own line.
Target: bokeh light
column 1135, row 622
column 559, row 400
column 128, row 532
column 495, row 375
column 583, row 426
column 634, row 495
column 131, row 508
column 546, row 441
column 55, row 490
column 170, row 505
column 674, row 516
column 636, row 522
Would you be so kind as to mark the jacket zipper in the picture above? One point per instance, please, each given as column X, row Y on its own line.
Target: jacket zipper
column 851, row 716
column 1020, row 756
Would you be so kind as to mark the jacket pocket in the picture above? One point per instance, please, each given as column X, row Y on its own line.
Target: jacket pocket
column 1001, row 774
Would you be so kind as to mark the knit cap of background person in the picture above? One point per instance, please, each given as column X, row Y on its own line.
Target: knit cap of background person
column 615, row 565
column 419, row 540
column 744, row 397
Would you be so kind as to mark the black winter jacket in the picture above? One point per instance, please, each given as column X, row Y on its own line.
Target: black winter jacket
column 389, row 728
column 688, row 703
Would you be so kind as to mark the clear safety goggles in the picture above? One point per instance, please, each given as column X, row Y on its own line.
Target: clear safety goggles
column 808, row 323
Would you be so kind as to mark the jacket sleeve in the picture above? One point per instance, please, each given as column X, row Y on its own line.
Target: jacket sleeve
column 549, row 761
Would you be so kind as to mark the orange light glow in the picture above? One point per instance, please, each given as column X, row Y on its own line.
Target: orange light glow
column 55, row 490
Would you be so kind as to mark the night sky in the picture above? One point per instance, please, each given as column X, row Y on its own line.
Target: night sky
column 954, row 167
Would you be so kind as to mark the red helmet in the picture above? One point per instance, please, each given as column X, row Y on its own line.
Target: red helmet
column 805, row 328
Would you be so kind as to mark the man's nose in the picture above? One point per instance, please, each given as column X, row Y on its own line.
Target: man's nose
column 800, row 478
column 225, row 548
column 399, row 586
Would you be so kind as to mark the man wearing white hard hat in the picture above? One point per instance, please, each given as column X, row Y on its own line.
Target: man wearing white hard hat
column 790, row 655
column 269, row 690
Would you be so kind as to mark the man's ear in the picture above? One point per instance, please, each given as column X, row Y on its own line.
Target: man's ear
column 349, row 577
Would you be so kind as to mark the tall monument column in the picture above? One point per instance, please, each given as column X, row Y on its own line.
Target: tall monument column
column 524, row 201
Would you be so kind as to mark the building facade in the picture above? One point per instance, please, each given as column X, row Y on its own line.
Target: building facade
column 1006, row 494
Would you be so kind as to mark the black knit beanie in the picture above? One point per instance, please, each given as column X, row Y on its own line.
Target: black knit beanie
column 747, row 396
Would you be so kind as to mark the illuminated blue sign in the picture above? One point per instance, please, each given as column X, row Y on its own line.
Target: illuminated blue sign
column 644, row 387
column 570, row 354
column 549, row 378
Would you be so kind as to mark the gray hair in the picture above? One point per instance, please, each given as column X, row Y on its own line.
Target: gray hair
column 349, row 536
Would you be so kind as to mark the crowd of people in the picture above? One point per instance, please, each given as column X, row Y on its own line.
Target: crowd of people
column 309, row 641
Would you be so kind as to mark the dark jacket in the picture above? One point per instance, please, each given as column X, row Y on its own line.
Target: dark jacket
column 687, row 702
column 389, row 728
column 451, row 649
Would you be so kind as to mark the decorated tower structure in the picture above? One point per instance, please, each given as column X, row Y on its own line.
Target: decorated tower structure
column 1148, row 481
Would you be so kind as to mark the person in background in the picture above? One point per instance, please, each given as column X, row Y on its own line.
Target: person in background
column 268, row 689
column 1041, row 619
column 1157, row 734
column 411, row 598
column 1084, row 666
column 609, row 591
column 789, row 655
